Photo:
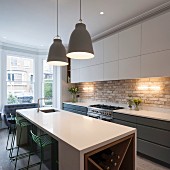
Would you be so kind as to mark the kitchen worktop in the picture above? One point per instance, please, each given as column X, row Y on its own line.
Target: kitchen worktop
column 146, row 114
column 77, row 135
column 142, row 113
column 81, row 132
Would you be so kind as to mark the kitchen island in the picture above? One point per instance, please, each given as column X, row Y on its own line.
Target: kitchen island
column 82, row 139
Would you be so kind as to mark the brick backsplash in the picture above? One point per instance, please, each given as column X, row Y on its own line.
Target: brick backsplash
column 117, row 91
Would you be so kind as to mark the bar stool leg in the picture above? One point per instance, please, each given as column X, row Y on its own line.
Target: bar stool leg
column 18, row 149
column 31, row 150
column 8, row 139
column 12, row 144
column 42, row 157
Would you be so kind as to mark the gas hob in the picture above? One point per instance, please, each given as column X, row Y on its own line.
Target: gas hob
column 103, row 112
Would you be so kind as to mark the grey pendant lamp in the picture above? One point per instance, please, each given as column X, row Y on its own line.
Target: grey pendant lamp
column 80, row 44
column 57, row 51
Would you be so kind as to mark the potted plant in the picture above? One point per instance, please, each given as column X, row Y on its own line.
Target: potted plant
column 137, row 102
column 130, row 101
column 73, row 91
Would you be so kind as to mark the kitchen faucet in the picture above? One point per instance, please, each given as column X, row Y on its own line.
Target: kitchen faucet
column 39, row 103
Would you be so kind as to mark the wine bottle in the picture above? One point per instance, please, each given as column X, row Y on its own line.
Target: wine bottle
column 104, row 166
column 109, row 152
column 105, row 156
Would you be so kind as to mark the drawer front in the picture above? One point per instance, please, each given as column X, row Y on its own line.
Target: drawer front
column 76, row 110
column 68, row 105
column 153, row 123
column 153, row 150
column 83, row 109
column 158, row 136
column 125, row 123
column 125, row 117
column 82, row 113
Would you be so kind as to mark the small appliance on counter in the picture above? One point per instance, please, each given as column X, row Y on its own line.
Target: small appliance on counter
column 103, row 112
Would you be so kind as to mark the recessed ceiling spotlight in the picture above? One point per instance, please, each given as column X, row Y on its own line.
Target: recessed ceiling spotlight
column 101, row 13
column 4, row 37
column 42, row 45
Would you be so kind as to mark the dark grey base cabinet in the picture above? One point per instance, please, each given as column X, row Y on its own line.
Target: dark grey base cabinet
column 75, row 109
column 153, row 136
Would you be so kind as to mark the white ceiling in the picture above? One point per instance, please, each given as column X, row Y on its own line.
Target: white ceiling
column 33, row 22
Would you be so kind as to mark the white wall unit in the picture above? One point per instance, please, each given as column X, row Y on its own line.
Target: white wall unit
column 98, row 53
column 155, row 64
column 156, row 34
column 111, row 70
column 85, row 74
column 129, row 68
column 92, row 73
column 75, row 76
column 85, row 63
column 130, row 42
column 96, row 73
column 139, row 51
column 111, row 48
column 75, row 64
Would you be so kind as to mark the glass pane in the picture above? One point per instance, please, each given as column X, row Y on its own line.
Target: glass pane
column 19, row 92
column 20, row 87
column 47, row 91
column 47, row 71
column 47, row 85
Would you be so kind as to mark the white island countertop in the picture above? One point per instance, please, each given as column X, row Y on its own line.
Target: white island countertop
column 76, row 134
column 81, row 132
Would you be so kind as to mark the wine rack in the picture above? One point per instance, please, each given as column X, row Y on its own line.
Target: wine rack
column 119, row 155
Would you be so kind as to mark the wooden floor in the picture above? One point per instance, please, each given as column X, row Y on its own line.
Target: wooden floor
column 6, row 164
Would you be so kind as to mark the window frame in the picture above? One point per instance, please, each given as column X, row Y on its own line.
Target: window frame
column 24, row 56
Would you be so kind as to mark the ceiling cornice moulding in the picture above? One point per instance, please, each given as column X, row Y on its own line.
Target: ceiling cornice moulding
column 146, row 15
column 22, row 48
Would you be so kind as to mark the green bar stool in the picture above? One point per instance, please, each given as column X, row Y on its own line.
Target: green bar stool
column 22, row 123
column 12, row 132
column 42, row 141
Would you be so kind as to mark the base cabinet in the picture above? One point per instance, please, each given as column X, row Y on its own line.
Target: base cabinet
column 153, row 150
column 75, row 109
column 153, row 136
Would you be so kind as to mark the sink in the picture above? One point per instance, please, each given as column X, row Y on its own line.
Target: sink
column 48, row 110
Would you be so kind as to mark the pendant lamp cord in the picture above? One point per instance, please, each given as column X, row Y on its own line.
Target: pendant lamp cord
column 57, row 19
column 80, row 12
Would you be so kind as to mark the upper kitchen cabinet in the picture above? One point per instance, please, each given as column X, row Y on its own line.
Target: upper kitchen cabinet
column 97, row 72
column 156, row 34
column 85, row 63
column 111, row 70
column 155, row 64
column 130, row 42
column 129, row 68
column 85, row 74
column 75, row 76
column 98, row 53
column 92, row 73
column 75, row 64
column 111, row 48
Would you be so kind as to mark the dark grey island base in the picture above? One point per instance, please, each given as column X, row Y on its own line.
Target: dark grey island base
column 153, row 135
column 50, row 152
